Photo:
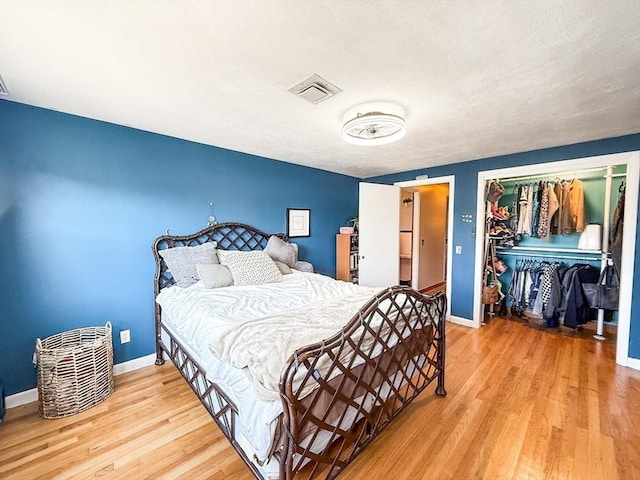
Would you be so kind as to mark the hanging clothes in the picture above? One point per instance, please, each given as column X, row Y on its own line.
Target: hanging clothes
column 544, row 229
column 552, row 307
column 615, row 240
column 555, row 219
column 552, row 290
column 528, row 219
column 573, row 217
column 576, row 310
column 515, row 210
column 535, row 217
column 522, row 208
column 564, row 227
column 531, row 286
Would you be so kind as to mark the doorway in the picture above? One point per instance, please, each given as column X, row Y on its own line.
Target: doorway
column 430, row 254
column 379, row 232
column 424, row 237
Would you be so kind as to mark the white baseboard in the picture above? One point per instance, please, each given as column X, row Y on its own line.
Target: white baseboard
column 22, row 398
column 29, row 396
column 134, row 364
column 633, row 363
column 465, row 322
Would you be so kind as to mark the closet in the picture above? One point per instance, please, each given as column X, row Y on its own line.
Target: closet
column 545, row 236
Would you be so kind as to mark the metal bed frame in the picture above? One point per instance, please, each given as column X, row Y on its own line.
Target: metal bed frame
column 360, row 379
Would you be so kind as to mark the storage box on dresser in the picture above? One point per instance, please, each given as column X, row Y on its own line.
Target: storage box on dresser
column 347, row 257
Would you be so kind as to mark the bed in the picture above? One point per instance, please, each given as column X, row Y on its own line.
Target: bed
column 348, row 360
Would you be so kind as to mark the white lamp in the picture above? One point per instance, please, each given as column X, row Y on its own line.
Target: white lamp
column 591, row 237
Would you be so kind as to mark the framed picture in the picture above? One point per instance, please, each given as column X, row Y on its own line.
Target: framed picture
column 298, row 222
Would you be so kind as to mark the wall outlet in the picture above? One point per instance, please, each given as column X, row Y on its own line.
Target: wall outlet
column 125, row 336
column 458, row 249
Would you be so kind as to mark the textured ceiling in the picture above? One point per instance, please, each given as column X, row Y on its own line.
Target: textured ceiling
column 476, row 78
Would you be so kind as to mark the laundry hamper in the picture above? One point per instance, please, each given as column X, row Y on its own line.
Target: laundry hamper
column 75, row 370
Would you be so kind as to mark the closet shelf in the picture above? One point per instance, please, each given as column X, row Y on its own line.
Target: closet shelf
column 552, row 250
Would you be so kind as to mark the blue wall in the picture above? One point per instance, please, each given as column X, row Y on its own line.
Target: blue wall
column 81, row 202
column 466, row 175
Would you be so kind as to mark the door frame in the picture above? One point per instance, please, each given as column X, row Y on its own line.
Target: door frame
column 632, row 162
column 451, row 181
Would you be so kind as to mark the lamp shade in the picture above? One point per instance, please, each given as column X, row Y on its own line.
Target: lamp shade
column 591, row 237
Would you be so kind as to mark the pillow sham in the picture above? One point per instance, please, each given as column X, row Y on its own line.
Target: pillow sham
column 282, row 251
column 181, row 261
column 250, row 268
column 214, row 275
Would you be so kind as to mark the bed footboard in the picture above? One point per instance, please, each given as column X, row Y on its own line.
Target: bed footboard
column 340, row 394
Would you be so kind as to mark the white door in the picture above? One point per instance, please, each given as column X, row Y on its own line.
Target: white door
column 379, row 235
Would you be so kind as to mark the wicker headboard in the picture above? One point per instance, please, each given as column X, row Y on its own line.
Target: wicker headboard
column 229, row 236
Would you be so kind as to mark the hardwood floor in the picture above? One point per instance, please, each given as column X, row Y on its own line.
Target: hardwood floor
column 522, row 403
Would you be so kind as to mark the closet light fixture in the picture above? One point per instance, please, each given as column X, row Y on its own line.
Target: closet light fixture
column 374, row 128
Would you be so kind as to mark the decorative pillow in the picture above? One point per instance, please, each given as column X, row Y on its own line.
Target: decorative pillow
column 250, row 268
column 282, row 251
column 304, row 266
column 181, row 261
column 283, row 267
column 214, row 275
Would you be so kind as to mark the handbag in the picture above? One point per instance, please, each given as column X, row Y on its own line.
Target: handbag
column 604, row 294
column 490, row 294
column 495, row 191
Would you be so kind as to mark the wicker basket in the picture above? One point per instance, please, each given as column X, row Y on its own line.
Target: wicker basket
column 75, row 370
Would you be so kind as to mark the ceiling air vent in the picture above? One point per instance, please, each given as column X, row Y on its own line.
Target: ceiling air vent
column 3, row 88
column 314, row 89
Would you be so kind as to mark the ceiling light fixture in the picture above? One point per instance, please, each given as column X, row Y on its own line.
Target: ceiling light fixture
column 374, row 128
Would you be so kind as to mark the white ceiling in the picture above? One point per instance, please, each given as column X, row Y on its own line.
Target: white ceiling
column 476, row 78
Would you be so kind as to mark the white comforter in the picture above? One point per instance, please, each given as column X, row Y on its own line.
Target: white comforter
column 203, row 316
column 194, row 308
column 264, row 345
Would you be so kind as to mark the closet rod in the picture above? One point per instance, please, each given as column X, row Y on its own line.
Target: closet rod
column 575, row 251
column 555, row 174
column 547, row 255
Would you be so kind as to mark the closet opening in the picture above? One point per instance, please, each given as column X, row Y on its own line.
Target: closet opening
column 549, row 234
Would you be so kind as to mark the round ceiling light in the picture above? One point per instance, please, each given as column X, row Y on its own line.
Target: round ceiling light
column 374, row 128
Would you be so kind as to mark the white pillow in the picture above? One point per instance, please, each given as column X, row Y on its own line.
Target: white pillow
column 282, row 251
column 181, row 261
column 283, row 267
column 214, row 275
column 250, row 268
column 303, row 266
